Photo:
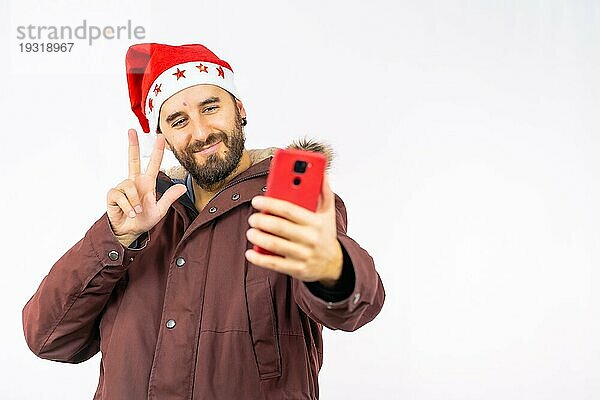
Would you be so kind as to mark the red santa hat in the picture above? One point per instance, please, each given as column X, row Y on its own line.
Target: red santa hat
column 157, row 71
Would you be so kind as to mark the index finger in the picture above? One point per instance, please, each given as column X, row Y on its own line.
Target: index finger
column 134, row 154
column 284, row 208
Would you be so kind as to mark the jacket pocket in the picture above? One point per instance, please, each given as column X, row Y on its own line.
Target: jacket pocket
column 265, row 340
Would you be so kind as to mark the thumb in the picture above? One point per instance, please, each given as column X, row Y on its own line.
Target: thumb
column 170, row 196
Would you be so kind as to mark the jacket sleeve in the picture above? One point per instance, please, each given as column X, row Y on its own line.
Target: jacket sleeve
column 61, row 320
column 365, row 299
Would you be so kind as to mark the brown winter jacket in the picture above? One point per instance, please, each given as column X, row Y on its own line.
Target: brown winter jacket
column 185, row 315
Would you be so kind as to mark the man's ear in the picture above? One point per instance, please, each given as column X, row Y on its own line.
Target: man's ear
column 167, row 144
column 159, row 132
column 240, row 107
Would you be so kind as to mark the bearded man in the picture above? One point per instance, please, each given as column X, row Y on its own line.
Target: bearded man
column 166, row 284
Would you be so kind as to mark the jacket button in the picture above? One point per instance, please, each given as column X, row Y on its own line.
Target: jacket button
column 212, row 210
column 264, row 189
column 171, row 324
column 113, row 255
column 180, row 261
column 356, row 298
column 235, row 196
column 329, row 305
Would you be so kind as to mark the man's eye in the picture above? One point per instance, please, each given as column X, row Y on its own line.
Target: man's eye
column 210, row 109
column 178, row 122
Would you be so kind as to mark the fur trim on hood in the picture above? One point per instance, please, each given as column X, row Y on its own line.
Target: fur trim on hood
column 257, row 155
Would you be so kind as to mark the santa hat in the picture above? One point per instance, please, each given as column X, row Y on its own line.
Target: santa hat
column 157, row 71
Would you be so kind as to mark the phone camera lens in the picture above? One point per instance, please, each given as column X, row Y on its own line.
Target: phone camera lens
column 300, row 166
column 296, row 181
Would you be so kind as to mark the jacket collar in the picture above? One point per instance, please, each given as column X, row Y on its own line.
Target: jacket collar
column 260, row 163
column 164, row 181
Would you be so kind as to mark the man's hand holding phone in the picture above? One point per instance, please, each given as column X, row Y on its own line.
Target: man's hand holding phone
column 304, row 242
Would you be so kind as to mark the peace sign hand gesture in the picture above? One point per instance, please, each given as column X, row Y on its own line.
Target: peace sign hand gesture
column 131, row 206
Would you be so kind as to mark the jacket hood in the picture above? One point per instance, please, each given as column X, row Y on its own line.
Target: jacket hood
column 258, row 155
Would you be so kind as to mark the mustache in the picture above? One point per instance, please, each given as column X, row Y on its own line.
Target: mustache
column 210, row 140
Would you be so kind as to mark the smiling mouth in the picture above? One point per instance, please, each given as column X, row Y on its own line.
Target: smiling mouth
column 207, row 147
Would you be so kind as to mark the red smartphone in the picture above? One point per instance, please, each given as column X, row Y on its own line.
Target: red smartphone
column 295, row 176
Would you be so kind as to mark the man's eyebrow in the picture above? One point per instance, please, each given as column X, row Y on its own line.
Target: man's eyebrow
column 210, row 100
column 173, row 116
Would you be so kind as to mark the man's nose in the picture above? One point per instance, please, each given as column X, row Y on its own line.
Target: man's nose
column 200, row 131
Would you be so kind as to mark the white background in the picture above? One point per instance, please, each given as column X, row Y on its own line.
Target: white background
column 467, row 143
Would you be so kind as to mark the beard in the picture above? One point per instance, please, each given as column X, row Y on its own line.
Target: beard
column 215, row 168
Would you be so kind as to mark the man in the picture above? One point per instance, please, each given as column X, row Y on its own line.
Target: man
column 166, row 284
